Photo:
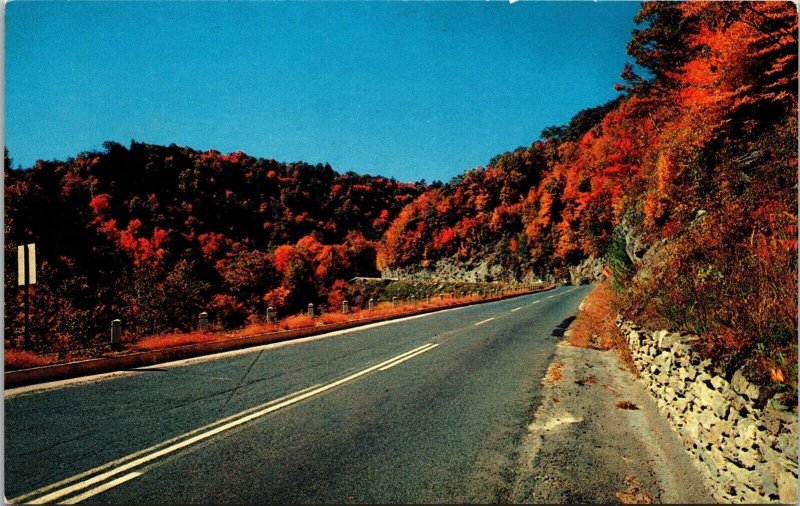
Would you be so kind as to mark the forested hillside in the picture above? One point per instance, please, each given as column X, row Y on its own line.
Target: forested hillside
column 685, row 186
column 153, row 235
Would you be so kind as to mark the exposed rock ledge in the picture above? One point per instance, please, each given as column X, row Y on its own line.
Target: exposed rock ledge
column 447, row 269
column 588, row 271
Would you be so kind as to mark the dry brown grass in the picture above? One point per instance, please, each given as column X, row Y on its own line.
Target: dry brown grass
column 626, row 405
column 161, row 341
column 633, row 493
column 299, row 321
column 329, row 318
column 595, row 325
column 252, row 330
column 18, row 359
column 553, row 374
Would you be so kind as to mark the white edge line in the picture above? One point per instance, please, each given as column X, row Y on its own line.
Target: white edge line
column 420, row 352
column 177, row 446
column 51, row 385
column 216, row 356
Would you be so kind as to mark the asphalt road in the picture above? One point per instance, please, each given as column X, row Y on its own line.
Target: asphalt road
column 426, row 409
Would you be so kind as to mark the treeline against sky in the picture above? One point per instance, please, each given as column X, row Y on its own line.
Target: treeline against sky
column 685, row 187
column 695, row 164
column 153, row 235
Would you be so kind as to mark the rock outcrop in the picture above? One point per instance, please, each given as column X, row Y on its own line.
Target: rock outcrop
column 588, row 271
column 448, row 269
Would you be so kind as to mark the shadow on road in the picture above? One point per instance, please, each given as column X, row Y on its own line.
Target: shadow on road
column 562, row 327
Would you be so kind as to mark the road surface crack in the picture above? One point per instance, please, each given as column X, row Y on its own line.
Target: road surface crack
column 241, row 381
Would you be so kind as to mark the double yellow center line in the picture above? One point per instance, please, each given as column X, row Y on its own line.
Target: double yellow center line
column 95, row 481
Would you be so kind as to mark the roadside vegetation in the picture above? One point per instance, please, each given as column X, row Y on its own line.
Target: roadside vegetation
column 684, row 186
column 153, row 235
column 131, row 342
column 595, row 325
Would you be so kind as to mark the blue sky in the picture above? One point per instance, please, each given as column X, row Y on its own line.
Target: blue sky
column 405, row 89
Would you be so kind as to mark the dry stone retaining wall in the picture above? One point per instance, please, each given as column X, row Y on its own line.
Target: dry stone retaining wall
column 747, row 454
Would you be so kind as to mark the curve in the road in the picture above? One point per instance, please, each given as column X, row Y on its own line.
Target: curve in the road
column 327, row 365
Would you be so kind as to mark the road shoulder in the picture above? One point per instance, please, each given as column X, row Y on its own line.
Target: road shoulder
column 598, row 437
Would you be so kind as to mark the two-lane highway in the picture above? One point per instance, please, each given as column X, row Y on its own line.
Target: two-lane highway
column 425, row 409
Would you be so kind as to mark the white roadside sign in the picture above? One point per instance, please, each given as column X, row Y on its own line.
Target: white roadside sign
column 26, row 262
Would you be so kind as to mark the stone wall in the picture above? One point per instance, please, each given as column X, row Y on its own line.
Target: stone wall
column 747, row 454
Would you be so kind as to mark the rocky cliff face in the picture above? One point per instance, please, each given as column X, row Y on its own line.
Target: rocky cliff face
column 635, row 245
column 451, row 271
column 639, row 253
column 588, row 271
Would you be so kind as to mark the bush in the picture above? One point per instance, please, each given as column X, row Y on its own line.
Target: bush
column 731, row 278
column 298, row 322
column 19, row 359
column 333, row 318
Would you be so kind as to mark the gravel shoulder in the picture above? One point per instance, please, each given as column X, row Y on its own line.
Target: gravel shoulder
column 597, row 437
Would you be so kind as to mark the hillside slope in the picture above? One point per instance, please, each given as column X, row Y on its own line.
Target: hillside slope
column 685, row 187
column 154, row 234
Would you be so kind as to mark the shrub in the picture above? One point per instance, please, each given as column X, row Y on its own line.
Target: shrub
column 171, row 340
column 334, row 318
column 19, row 359
column 298, row 322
